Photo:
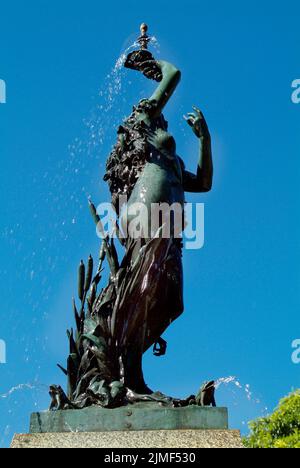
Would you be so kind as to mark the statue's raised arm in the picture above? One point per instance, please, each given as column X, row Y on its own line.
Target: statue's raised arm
column 164, row 72
column 202, row 181
column 161, row 71
column 170, row 79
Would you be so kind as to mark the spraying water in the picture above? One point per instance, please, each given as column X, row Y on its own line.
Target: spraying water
column 22, row 387
column 233, row 380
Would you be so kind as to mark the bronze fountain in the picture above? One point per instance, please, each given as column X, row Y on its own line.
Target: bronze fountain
column 144, row 296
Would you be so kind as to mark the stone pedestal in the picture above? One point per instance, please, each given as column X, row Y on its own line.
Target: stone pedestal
column 184, row 439
column 137, row 426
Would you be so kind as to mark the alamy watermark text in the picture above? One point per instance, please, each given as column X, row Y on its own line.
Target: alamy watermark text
column 296, row 352
column 296, row 92
column 2, row 352
column 157, row 220
column 2, row 92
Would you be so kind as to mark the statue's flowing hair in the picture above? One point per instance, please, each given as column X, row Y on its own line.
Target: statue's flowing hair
column 131, row 152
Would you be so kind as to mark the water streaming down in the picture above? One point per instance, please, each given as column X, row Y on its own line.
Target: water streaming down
column 105, row 115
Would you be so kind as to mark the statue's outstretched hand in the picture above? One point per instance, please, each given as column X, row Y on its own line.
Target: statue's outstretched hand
column 144, row 62
column 198, row 123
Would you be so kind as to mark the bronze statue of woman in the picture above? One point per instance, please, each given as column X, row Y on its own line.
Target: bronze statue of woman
column 145, row 291
column 145, row 167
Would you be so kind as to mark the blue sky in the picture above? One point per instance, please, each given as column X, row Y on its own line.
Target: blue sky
column 242, row 295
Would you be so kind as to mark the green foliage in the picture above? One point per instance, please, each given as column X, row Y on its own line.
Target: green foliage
column 281, row 429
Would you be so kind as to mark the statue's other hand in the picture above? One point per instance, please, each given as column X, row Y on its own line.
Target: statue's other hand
column 197, row 121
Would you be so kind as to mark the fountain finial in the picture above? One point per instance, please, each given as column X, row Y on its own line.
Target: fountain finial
column 144, row 39
column 142, row 60
column 144, row 29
